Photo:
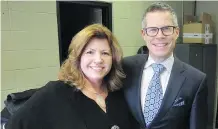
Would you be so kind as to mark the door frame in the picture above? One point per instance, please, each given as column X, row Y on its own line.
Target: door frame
column 106, row 18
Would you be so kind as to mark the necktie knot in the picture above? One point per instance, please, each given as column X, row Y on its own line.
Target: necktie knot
column 158, row 68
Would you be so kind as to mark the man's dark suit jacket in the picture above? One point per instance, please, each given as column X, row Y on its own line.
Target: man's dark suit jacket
column 184, row 105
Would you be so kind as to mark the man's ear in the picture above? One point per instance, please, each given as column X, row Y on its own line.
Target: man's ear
column 143, row 34
column 177, row 30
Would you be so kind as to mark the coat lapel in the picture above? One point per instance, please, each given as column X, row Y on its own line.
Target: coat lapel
column 139, row 107
column 133, row 94
column 174, row 85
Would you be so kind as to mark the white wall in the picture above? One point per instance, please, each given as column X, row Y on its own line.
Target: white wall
column 127, row 18
column 30, row 55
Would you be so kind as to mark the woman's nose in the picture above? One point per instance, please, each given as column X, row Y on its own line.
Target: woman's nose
column 98, row 58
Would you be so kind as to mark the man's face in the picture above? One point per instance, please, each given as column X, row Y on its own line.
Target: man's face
column 160, row 42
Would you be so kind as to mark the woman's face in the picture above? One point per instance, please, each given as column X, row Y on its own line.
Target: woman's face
column 96, row 60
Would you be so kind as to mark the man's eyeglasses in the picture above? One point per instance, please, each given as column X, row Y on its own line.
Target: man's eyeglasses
column 166, row 30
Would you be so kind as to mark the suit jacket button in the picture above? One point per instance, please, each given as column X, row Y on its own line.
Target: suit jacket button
column 115, row 127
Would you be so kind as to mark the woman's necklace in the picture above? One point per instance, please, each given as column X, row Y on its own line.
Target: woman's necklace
column 99, row 98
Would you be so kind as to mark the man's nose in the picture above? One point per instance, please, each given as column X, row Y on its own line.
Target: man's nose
column 160, row 33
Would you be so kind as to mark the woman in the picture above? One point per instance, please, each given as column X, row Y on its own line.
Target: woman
column 86, row 96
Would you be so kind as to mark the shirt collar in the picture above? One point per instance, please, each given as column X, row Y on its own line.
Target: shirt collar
column 168, row 63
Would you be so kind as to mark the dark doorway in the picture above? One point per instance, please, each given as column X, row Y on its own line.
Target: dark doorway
column 75, row 15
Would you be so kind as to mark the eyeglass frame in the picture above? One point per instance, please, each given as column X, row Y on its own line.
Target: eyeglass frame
column 174, row 27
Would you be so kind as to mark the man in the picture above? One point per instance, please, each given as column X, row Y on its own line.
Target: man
column 162, row 91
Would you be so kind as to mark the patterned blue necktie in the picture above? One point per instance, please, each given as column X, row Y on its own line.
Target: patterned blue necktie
column 154, row 94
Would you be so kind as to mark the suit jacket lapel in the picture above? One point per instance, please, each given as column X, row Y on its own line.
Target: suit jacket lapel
column 139, row 107
column 133, row 94
column 175, row 83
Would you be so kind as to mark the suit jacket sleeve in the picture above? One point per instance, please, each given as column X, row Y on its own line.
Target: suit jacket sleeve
column 198, row 117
